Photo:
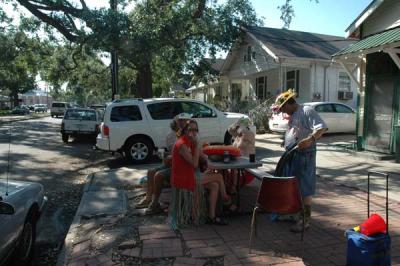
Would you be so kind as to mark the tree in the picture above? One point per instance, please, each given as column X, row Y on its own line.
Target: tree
column 18, row 63
column 177, row 32
column 85, row 75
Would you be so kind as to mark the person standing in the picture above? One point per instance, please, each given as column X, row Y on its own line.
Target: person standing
column 305, row 128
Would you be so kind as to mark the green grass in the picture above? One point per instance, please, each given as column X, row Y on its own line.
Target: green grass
column 4, row 112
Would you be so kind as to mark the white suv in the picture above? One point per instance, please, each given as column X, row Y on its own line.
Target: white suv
column 137, row 127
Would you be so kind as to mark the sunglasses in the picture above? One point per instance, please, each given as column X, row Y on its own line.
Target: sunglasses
column 193, row 129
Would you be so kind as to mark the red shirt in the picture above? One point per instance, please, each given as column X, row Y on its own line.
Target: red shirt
column 183, row 175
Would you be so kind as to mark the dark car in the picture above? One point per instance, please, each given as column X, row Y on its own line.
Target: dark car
column 20, row 110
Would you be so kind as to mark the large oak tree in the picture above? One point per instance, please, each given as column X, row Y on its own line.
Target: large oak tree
column 177, row 32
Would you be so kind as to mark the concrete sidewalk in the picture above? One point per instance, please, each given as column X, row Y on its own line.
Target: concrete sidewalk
column 108, row 230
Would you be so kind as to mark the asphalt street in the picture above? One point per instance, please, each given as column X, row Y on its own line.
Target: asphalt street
column 37, row 153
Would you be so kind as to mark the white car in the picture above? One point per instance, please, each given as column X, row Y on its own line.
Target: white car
column 339, row 117
column 138, row 127
column 79, row 121
column 21, row 205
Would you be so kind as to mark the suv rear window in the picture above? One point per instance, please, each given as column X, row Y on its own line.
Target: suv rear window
column 125, row 113
column 86, row 115
column 59, row 105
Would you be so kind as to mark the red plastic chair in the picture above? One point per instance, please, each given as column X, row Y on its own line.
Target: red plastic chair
column 279, row 195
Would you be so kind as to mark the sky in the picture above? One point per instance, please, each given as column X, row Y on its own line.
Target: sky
column 330, row 17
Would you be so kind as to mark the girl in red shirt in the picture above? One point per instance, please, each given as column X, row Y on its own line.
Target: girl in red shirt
column 188, row 205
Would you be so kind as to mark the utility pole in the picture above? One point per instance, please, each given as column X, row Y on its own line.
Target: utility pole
column 114, row 62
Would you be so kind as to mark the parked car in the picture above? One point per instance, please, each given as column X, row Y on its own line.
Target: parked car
column 40, row 108
column 340, row 118
column 20, row 110
column 21, row 205
column 79, row 121
column 138, row 127
column 59, row 108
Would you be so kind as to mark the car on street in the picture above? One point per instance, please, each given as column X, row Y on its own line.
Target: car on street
column 20, row 110
column 340, row 118
column 40, row 108
column 21, row 205
column 58, row 108
column 137, row 127
column 79, row 121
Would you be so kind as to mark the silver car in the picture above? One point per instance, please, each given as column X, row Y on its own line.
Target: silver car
column 21, row 205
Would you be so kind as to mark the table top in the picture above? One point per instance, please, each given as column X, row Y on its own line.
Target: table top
column 238, row 163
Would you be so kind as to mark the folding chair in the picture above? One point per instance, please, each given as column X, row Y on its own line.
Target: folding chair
column 279, row 195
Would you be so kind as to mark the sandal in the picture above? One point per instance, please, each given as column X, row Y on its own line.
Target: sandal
column 216, row 221
column 143, row 204
column 232, row 212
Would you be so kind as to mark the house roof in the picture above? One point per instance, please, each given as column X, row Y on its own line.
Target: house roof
column 214, row 63
column 289, row 43
column 377, row 40
column 363, row 16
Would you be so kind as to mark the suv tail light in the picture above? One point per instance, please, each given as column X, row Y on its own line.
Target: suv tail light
column 106, row 130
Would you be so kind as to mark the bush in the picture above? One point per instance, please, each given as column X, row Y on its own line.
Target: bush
column 4, row 112
column 260, row 115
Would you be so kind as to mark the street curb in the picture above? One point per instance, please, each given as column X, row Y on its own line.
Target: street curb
column 22, row 119
column 68, row 243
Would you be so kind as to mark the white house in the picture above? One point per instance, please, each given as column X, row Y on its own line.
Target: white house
column 266, row 61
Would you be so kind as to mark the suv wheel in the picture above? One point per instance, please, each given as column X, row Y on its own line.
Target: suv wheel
column 65, row 137
column 138, row 150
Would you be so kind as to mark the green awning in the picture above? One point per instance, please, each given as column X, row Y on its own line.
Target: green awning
column 387, row 37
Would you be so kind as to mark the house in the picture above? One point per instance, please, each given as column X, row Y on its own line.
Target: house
column 266, row 61
column 35, row 97
column 206, row 87
column 376, row 64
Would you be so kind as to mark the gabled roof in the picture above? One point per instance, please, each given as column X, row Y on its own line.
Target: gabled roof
column 351, row 30
column 289, row 43
column 215, row 64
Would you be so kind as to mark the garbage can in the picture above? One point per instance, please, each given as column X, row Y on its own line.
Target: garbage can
column 397, row 142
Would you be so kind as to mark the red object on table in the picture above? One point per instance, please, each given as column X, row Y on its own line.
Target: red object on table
column 220, row 149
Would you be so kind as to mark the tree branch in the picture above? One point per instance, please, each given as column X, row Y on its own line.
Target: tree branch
column 49, row 20
column 200, row 9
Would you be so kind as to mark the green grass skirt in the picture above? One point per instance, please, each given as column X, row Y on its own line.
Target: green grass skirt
column 187, row 207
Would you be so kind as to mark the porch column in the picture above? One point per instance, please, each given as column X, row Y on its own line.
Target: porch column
column 361, row 104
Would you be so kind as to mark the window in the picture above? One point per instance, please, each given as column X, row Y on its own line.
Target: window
column 197, row 110
column 218, row 90
column 324, row 108
column 249, row 54
column 125, row 113
column 292, row 81
column 236, row 92
column 261, row 88
column 75, row 114
column 342, row 109
column 344, row 82
column 164, row 110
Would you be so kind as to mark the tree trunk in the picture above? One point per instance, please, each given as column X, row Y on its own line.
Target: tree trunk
column 143, row 82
